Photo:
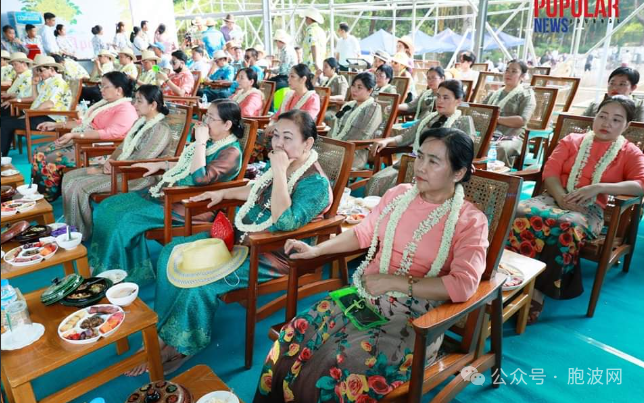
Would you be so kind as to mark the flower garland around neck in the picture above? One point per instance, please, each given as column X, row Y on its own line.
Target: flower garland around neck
column 397, row 208
column 353, row 115
column 258, row 187
column 242, row 95
column 421, row 126
column 182, row 169
column 100, row 106
column 495, row 97
column 582, row 158
column 133, row 137
column 422, row 99
column 382, row 89
column 299, row 103
column 330, row 80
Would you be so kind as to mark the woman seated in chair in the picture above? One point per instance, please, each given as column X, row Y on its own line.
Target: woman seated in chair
column 516, row 105
column 384, row 74
column 109, row 119
column 425, row 103
column 150, row 137
column 582, row 171
column 336, row 82
column 52, row 93
column 400, row 64
column 291, row 194
column 427, row 245
column 215, row 156
column 622, row 81
column 248, row 96
column 448, row 96
column 302, row 96
column 360, row 118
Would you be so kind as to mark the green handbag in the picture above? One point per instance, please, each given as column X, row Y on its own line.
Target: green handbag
column 357, row 309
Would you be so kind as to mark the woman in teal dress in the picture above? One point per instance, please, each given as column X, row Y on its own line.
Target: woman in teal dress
column 215, row 156
column 292, row 193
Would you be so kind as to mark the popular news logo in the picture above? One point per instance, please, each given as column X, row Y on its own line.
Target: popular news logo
column 578, row 9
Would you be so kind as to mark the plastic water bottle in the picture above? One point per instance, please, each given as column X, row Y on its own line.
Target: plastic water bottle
column 204, row 99
column 83, row 107
column 8, row 294
column 491, row 157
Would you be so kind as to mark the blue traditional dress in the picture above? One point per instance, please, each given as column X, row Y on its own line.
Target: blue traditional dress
column 118, row 246
column 187, row 315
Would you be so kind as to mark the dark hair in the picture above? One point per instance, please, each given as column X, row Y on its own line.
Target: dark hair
column 122, row 81
column 198, row 49
column 144, row 23
column 304, row 122
column 460, row 148
column 58, row 58
column 161, row 28
column 6, row 28
column 179, row 54
column 297, row 48
column 469, row 56
column 387, row 69
column 251, row 74
column 96, row 29
column 302, row 70
column 253, row 53
column 632, row 75
column 455, row 86
column 59, row 28
column 438, row 70
column 29, row 27
column 152, row 93
column 367, row 79
column 134, row 32
column 521, row 63
column 49, row 16
column 624, row 101
column 344, row 27
column 333, row 63
column 228, row 110
column 119, row 27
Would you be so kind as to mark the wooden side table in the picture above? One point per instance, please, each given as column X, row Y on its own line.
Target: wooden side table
column 13, row 180
column 42, row 213
column 62, row 256
column 200, row 380
column 21, row 367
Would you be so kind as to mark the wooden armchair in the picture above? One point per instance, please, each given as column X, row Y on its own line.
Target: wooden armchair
column 402, row 87
column 542, row 71
column 389, row 104
column 325, row 94
column 567, row 87
column 621, row 216
column 45, row 136
column 480, row 67
column 268, row 90
column 468, row 87
column 196, row 75
column 546, row 98
column 497, row 196
column 178, row 194
column 485, row 118
column 335, row 158
column 486, row 83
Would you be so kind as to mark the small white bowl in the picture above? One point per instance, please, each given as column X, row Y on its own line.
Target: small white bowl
column 62, row 241
column 114, row 294
column 6, row 161
column 27, row 190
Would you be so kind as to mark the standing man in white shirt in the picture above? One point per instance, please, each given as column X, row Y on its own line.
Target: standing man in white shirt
column 347, row 47
column 49, row 42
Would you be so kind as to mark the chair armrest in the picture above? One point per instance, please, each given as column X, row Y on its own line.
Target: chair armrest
column 186, row 190
column 322, row 260
column 449, row 313
column 128, row 163
column 33, row 113
column 90, row 142
column 624, row 201
column 218, row 84
column 528, row 174
column 307, row 231
column 395, row 150
column 363, row 144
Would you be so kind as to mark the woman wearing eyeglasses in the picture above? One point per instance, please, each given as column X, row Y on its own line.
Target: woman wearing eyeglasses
column 215, row 156
column 622, row 81
column 109, row 119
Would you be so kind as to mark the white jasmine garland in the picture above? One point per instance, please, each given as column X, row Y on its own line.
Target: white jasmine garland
column 330, row 80
column 133, row 137
column 242, row 95
column 495, row 97
column 299, row 103
column 182, row 168
column 382, row 89
column 426, row 94
column 399, row 205
column 100, row 106
column 582, row 158
column 421, row 126
column 353, row 115
column 263, row 182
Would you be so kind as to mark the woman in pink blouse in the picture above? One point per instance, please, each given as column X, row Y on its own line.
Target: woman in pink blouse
column 401, row 278
column 582, row 171
column 302, row 96
column 248, row 96
column 109, row 120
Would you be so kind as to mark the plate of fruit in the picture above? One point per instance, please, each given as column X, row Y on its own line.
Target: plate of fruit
column 12, row 207
column 30, row 253
column 515, row 276
column 90, row 324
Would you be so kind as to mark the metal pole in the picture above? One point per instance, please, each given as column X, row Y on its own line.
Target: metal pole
column 480, row 29
column 575, row 50
column 393, row 22
column 332, row 29
column 528, row 31
column 268, row 26
column 602, row 64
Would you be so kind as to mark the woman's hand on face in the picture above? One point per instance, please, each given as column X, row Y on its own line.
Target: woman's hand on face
column 202, row 133
column 300, row 250
column 377, row 284
column 66, row 138
column 582, row 196
column 152, row 167
column 279, row 160
column 215, row 197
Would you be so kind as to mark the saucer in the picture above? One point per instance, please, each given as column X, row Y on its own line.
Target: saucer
column 9, row 172
column 22, row 336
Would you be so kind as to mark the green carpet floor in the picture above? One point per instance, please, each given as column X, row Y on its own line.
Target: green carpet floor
column 574, row 353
